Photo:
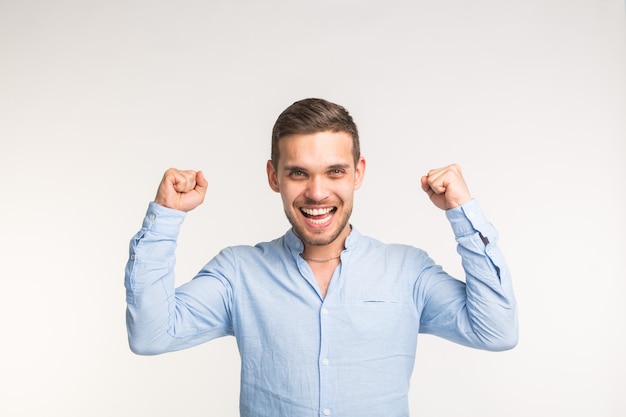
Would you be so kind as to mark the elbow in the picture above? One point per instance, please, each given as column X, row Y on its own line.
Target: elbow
column 505, row 344
column 139, row 348
column 142, row 348
column 496, row 337
column 505, row 335
column 505, row 340
column 143, row 339
column 144, row 343
column 148, row 343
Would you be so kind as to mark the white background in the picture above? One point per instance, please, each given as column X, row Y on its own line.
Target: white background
column 98, row 98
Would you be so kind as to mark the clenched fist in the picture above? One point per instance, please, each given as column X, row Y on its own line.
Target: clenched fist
column 181, row 190
column 446, row 187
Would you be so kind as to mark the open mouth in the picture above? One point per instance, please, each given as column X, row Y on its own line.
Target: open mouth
column 318, row 216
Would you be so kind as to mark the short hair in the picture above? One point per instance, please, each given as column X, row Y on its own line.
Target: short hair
column 313, row 115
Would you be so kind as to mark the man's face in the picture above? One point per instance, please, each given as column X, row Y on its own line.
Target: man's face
column 316, row 178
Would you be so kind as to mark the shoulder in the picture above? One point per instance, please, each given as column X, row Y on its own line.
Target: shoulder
column 235, row 262
column 257, row 252
column 362, row 241
column 369, row 247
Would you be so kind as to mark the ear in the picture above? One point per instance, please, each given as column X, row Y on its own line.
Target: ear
column 272, row 177
column 359, row 173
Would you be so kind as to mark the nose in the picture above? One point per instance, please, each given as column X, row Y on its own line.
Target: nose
column 317, row 189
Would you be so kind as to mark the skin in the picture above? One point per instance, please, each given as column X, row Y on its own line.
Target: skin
column 181, row 190
column 315, row 172
column 446, row 187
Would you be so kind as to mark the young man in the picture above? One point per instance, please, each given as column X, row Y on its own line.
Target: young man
column 326, row 319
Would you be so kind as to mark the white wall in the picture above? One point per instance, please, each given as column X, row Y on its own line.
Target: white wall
column 98, row 98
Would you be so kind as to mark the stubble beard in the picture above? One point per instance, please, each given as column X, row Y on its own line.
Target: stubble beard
column 314, row 239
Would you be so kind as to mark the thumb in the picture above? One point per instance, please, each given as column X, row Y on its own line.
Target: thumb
column 201, row 183
column 425, row 185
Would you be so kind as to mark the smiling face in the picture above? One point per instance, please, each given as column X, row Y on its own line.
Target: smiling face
column 316, row 177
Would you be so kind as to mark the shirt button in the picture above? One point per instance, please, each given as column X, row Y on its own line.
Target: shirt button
column 152, row 216
column 298, row 245
column 132, row 257
column 471, row 215
column 324, row 311
column 326, row 412
column 325, row 361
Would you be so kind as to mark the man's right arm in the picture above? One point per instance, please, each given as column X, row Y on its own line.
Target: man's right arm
column 153, row 306
column 150, row 280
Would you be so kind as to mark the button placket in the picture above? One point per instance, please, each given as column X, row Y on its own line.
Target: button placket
column 325, row 383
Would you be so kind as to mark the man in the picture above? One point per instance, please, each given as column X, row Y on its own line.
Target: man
column 326, row 319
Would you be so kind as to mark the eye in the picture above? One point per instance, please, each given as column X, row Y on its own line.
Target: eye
column 296, row 173
column 336, row 172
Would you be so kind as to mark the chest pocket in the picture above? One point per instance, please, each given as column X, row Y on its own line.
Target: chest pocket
column 374, row 317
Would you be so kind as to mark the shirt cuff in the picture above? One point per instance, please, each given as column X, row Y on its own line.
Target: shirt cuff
column 163, row 221
column 468, row 219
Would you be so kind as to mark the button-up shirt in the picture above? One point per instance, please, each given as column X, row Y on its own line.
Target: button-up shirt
column 348, row 354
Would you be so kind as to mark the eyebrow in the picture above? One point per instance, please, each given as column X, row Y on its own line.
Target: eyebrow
column 292, row 168
column 340, row 166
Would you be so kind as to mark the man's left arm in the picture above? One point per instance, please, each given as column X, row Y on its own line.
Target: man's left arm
column 482, row 312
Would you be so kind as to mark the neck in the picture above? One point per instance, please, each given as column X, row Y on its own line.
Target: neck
column 324, row 253
column 332, row 251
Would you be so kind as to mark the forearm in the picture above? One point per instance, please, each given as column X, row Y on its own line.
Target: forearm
column 490, row 307
column 150, row 282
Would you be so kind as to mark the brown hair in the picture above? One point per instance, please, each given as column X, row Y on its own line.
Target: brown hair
column 313, row 115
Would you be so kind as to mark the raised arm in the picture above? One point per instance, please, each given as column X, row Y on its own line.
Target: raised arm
column 160, row 318
column 482, row 311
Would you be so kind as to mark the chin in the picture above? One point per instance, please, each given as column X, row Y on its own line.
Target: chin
column 318, row 237
column 322, row 236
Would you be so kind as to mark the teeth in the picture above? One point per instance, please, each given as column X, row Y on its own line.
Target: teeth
column 320, row 221
column 316, row 212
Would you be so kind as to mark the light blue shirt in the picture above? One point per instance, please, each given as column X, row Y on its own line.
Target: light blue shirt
column 350, row 354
